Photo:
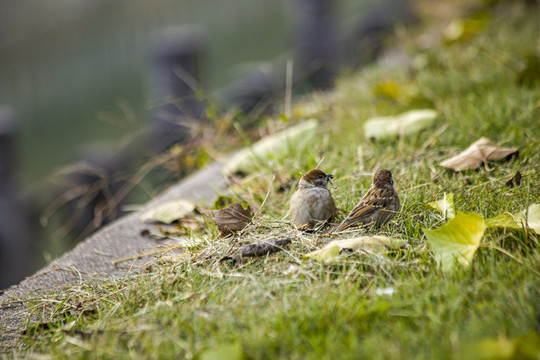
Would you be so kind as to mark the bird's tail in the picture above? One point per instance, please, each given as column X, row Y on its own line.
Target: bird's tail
column 333, row 229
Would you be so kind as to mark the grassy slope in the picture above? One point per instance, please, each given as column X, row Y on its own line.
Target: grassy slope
column 282, row 307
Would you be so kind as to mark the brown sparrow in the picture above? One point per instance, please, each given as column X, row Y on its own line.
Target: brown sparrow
column 312, row 203
column 377, row 207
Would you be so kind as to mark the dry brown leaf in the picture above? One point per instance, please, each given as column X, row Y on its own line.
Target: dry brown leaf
column 232, row 219
column 259, row 248
column 265, row 247
column 480, row 151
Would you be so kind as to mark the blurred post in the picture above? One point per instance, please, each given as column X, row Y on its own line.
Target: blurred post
column 317, row 46
column 14, row 231
column 175, row 85
column 316, row 61
column 175, row 109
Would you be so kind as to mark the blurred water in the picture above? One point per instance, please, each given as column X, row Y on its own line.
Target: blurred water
column 75, row 72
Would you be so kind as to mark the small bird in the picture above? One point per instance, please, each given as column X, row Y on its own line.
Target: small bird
column 377, row 207
column 312, row 203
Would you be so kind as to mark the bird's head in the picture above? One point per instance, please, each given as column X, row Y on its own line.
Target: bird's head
column 316, row 177
column 383, row 179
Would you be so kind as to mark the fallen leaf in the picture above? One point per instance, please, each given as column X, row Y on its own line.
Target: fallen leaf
column 264, row 247
column 224, row 352
column 325, row 255
column 409, row 122
column 462, row 29
column 480, row 151
column 504, row 221
column 259, row 248
column 457, row 240
column 445, row 206
column 376, row 243
column 525, row 347
column 530, row 217
column 527, row 218
column 169, row 212
column 298, row 135
column 387, row 89
column 232, row 219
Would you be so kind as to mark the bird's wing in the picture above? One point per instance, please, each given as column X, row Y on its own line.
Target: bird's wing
column 376, row 199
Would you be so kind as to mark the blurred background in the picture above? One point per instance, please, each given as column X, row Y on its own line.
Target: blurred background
column 93, row 88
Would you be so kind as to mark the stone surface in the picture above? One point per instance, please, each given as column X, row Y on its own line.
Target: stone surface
column 93, row 258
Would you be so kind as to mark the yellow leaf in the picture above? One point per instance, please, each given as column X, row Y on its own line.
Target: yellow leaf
column 409, row 122
column 529, row 218
column 505, row 221
column 462, row 29
column 457, row 240
column 169, row 212
column 445, row 206
column 489, row 349
column 224, row 352
column 374, row 243
column 325, row 255
column 388, row 89
column 524, row 347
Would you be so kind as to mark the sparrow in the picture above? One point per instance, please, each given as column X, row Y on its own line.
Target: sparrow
column 312, row 203
column 377, row 207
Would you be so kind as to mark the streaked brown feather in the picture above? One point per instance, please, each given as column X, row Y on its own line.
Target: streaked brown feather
column 379, row 205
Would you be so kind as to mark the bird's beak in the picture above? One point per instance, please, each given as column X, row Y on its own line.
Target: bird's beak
column 329, row 177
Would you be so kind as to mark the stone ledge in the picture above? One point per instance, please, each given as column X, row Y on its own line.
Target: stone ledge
column 92, row 259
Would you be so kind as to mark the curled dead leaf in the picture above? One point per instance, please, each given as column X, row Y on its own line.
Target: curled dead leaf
column 406, row 123
column 258, row 248
column 481, row 151
column 264, row 247
column 374, row 243
column 232, row 219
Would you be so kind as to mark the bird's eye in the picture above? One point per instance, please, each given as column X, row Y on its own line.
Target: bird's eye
column 321, row 176
column 391, row 182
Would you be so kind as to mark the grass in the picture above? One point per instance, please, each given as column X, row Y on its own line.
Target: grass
column 281, row 306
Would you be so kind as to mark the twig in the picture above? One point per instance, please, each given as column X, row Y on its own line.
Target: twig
column 149, row 253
